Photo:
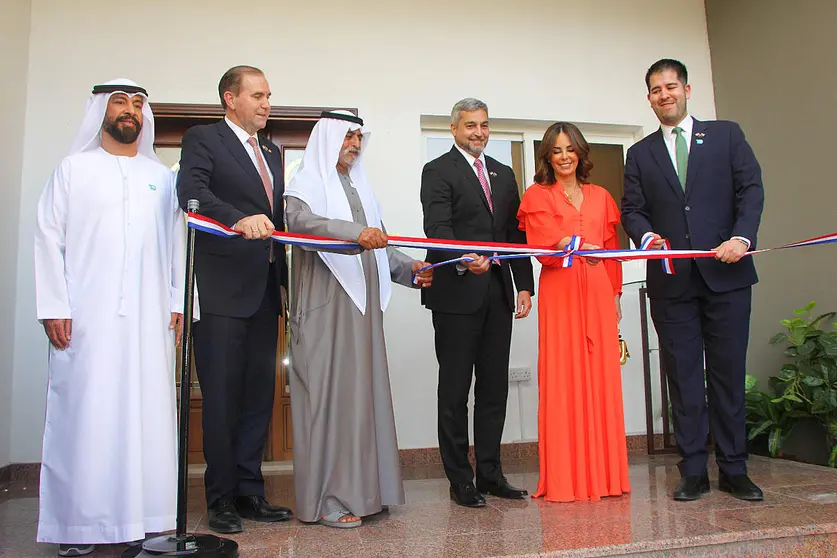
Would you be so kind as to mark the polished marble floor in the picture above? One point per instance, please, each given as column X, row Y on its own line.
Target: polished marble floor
column 797, row 518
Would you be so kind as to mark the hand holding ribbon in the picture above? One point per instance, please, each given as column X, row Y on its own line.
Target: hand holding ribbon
column 371, row 238
column 422, row 274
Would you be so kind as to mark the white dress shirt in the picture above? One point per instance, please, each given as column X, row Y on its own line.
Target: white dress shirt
column 243, row 137
column 670, row 139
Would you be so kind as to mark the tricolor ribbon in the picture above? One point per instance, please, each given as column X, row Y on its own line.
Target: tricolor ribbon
column 504, row 250
column 668, row 264
column 570, row 249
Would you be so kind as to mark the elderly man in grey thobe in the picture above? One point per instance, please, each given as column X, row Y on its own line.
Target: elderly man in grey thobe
column 346, row 463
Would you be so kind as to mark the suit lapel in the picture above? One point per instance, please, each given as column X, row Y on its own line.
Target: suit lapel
column 469, row 174
column 274, row 163
column 696, row 150
column 660, row 153
column 238, row 152
column 497, row 191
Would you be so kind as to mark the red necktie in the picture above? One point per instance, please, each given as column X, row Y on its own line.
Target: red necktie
column 268, row 187
column 484, row 182
column 487, row 191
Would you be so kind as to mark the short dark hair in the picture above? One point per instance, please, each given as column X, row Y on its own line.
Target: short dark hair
column 544, row 173
column 231, row 81
column 667, row 64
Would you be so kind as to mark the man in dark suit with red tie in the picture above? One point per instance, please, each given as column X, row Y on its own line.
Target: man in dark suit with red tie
column 698, row 185
column 466, row 195
column 237, row 177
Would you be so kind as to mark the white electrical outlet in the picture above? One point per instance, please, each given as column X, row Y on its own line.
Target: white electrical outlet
column 520, row 374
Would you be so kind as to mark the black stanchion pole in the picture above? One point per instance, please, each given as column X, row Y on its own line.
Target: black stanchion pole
column 185, row 378
column 182, row 543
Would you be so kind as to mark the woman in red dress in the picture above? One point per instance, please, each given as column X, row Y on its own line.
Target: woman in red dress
column 581, row 426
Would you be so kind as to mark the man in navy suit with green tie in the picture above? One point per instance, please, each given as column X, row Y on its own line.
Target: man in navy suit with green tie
column 698, row 185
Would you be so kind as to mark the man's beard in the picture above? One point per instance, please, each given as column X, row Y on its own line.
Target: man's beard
column 345, row 157
column 123, row 135
column 472, row 147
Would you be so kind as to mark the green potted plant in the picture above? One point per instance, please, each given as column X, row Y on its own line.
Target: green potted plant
column 799, row 419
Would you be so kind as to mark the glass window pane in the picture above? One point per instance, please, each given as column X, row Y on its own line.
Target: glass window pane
column 169, row 156
column 292, row 157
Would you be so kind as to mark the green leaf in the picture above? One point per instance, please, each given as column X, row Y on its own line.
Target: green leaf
column 812, row 381
column 788, row 370
column 800, row 311
column 810, row 306
column 832, row 428
column 785, row 323
column 780, row 337
column 829, row 344
column 806, row 347
column 760, row 429
column 749, row 382
column 792, row 397
column 774, row 441
column 832, row 459
column 822, row 317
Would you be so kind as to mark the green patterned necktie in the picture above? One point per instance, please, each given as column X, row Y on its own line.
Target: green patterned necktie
column 681, row 152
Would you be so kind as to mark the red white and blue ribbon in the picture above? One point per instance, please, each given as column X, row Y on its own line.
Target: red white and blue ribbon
column 668, row 264
column 503, row 250
column 570, row 249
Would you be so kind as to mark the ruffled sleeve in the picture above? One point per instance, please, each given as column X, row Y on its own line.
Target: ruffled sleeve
column 611, row 242
column 541, row 222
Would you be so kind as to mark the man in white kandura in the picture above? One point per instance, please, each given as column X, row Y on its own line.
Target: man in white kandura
column 346, row 463
column 109, row 270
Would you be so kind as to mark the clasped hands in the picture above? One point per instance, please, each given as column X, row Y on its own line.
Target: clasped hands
column 729, row 251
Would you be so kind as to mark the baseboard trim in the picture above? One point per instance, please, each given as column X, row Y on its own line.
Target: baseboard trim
column 20, row 472
column 637, row 445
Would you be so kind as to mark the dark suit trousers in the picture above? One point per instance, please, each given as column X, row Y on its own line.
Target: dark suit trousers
column 474, row 344
column 236, row 365
column 702, row 322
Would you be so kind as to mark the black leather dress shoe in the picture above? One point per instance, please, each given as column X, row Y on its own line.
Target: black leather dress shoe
column 502, row 489
column 690, row 488
column 466, row 495
column 741, row 487
column 223, row 518
column 257, row 508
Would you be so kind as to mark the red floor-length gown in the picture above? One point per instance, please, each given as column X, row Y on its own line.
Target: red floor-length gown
column 581, row 425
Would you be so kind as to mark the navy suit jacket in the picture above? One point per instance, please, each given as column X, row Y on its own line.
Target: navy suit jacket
column 724, row 197
column 216, row 170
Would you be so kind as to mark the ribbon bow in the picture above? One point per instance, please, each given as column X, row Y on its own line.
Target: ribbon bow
column 569, row 249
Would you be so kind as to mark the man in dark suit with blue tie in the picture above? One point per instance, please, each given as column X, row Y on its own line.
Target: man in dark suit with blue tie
column 698, row 185
column 237, row 177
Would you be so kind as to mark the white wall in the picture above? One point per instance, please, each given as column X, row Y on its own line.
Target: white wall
column 14, row 62
column 532, row 59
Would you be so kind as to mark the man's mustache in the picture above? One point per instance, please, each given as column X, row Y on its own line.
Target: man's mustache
column 127, row 117
column 351, row 151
